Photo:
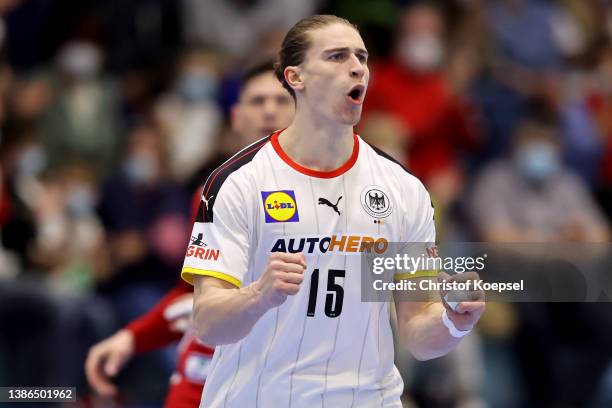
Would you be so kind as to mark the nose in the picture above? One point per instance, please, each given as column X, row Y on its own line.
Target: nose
column 269, row 108
column 357, row 68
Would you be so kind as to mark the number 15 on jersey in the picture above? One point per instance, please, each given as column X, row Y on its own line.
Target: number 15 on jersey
column 334, row 293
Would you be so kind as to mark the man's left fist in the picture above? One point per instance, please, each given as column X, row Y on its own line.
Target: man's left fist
column 465, row 313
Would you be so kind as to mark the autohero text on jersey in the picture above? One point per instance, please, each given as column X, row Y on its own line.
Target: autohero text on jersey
column 335, row 243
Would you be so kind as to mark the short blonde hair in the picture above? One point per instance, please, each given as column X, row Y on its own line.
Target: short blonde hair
column 296, row 43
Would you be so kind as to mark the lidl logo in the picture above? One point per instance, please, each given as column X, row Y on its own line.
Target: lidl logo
column 280, row 206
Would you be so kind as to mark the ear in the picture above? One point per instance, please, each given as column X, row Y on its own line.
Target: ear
column 293, row 78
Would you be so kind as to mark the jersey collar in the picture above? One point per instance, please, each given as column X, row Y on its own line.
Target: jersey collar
column 316, row 173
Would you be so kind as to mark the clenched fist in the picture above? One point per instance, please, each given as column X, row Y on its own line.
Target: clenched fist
column 282, row 277
column 466, row 313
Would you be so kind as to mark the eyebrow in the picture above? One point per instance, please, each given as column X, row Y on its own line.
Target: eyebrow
column 345, row 49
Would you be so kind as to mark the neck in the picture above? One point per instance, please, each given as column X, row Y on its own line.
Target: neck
column 317, row 144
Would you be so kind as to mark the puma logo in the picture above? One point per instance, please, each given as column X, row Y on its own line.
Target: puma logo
column 206, row 201
column 325, row 201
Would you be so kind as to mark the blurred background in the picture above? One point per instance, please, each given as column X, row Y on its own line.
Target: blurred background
column 110, row 110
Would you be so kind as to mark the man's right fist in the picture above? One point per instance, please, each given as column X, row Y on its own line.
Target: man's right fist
column 281, row 278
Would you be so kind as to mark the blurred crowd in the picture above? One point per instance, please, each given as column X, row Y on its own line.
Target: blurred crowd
column 112, row 113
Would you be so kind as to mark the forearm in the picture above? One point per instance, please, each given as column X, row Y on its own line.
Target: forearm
column 424, row 335
column 224, row 316
column 152, row 331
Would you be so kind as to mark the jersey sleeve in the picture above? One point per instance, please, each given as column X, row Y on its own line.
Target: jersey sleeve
column 424, row 228
column 420, row 232
column 219, row 242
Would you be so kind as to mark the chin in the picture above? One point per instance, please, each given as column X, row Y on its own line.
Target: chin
column 346, row 116
column 354, row 119
column 350, row 117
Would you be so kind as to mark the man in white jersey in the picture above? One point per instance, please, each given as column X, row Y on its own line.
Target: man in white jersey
column 277, row 271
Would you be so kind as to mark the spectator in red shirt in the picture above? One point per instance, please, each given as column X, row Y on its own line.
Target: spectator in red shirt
column 410, row 86
column 263, row 107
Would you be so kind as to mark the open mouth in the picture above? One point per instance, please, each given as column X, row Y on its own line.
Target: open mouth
column 356, row 93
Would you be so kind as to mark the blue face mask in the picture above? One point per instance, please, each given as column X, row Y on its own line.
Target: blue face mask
column 31, row 162
column 196, row 88
column 538, row 162
column 81, row 201
column 140, row 169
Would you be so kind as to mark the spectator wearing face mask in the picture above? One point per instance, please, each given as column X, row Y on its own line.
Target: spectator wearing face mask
column 81, row 122
column 410, row 86
column 533, row 197
column 69, row 235
column 49, row 262
column 145, row 217
column 189, row 114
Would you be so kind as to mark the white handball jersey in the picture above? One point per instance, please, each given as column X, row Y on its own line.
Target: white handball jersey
column 323, row 347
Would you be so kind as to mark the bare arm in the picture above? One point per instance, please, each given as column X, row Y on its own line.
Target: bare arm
column 223, row 313
column 421, row 329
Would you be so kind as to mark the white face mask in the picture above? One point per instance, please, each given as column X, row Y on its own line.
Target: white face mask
column 421, row 52
column 568, row 35
column 80, row 60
